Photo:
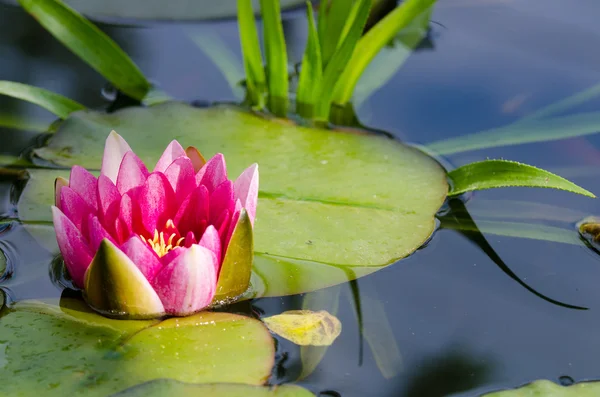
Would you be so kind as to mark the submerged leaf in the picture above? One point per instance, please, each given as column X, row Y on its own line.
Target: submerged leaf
column 90, row 44
column 490, row 174
column 546, row 388
column 59, row 105
column 305, row 327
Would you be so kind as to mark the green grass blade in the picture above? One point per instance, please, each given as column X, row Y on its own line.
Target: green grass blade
column 256, row 81
column 514, row 229
column 373, row 42
column 216, row 49
column 55, row 103
column 276, row 56
column 354, row 27
column 311, row 73
column 492, row 209
column 90, row 44
column 390, row 59
column 490, row 174
column 334, row 19
column 521, row 132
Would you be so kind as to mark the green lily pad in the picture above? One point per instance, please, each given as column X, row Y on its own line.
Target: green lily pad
column 333, row 206
column 167, row 387
column 77, row 351
column 163, row 10
column 545, row 388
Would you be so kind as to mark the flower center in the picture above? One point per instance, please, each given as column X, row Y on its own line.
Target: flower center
column 165, row 241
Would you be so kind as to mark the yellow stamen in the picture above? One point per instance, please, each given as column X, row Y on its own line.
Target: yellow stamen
column 159, row 244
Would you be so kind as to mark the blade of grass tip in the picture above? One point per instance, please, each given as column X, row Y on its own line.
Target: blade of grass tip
column 55, row 103
column 490, row 174
column 90, row 44
column 372, row 42
column 219, row 53
column 520, row 132
column 22, row 122
column 352, row 32
column 565, row 104
column 256, row 80
column 311, row 73
column 276, row 57
column 335, row 17
column 389, row 60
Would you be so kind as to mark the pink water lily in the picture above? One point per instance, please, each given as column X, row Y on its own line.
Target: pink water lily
column 145, row 244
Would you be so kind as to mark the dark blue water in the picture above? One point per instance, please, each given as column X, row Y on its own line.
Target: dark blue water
column 461, row 325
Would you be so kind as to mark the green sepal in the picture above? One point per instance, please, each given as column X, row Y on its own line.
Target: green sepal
column 236, row 269
column 115, row 287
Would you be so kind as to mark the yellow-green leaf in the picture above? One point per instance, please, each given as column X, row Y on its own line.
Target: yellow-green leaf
column 306, row 327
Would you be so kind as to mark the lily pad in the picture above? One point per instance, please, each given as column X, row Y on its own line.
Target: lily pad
column 333, row 206
column 163, row 10
column 545, row 388
column 165, row 387
column 79, row 352
column 305, row 327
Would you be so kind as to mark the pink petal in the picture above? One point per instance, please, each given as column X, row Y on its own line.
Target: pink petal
column 213, row 173
column 96, row 233
column 126, row 216
column 187, row 284
column 196, row 157
column 221, row 200
column 222, row 224
column 156, row 201
column 73, row 247
column 246, row 190
column 85, row 184
column 133, row 173
column 107, row 194
column 114, row 150
column 172, row 152
column 211, row 241
column 192, row 215
column 181, row 177
column 143, row 256
column 75, row 208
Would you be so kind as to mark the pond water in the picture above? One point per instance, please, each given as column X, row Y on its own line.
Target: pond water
column 447, row 321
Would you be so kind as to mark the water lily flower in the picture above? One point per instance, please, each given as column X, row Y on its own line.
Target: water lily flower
column 168, row 242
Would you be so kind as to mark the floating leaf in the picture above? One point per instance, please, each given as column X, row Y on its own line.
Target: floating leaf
column 276, row 57
column 78, row 351
column 373, row 41
column 256, row 81
column 520, row 132
column 332, row 206
column 167, row 387
column 59, row 105
column 546, row 388
column 90, row 44
column 490, row 174
column 305, row 327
